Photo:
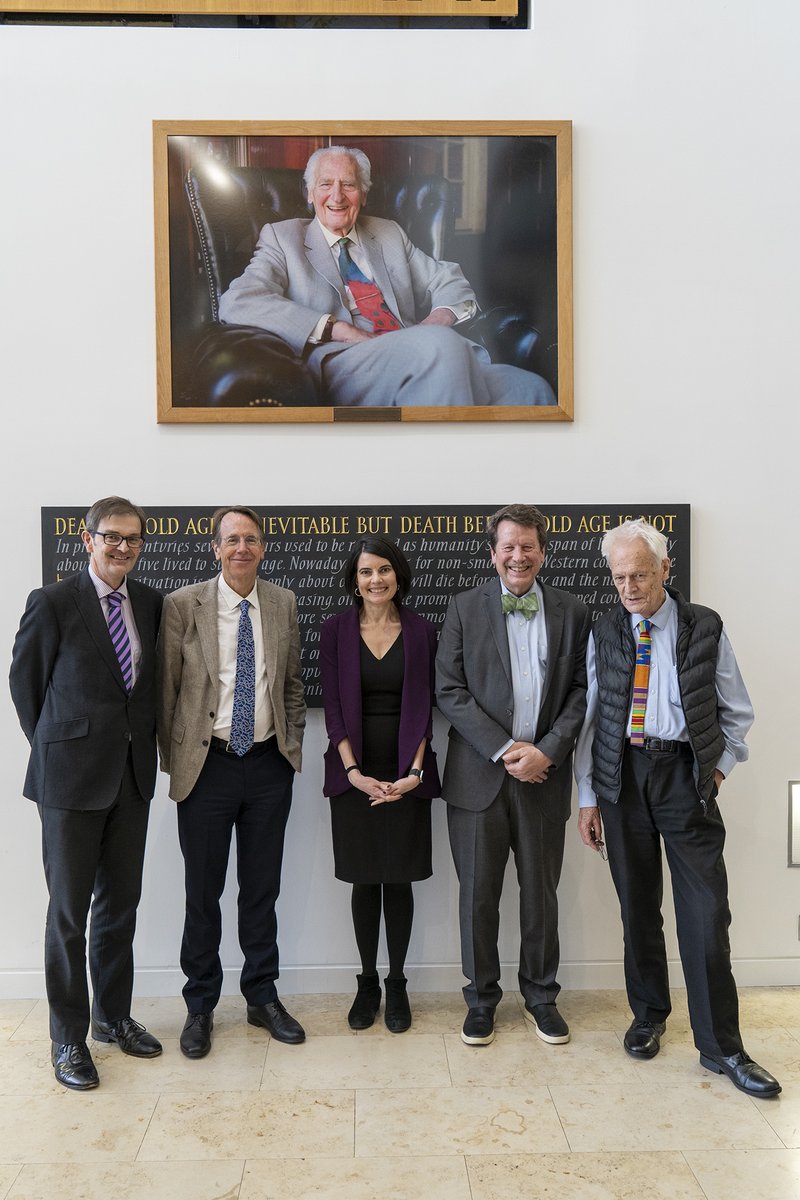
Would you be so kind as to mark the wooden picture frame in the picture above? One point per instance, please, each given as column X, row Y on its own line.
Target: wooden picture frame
column 295, row 8
column 495, row 198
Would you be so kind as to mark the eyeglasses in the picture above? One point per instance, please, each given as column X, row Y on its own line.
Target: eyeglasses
column 116, row 539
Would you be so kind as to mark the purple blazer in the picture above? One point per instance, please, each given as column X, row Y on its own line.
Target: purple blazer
column 340, row 669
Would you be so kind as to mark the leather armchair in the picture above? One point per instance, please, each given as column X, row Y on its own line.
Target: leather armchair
column 218, row 365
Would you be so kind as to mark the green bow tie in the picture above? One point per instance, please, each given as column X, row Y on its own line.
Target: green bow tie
column 527, row 605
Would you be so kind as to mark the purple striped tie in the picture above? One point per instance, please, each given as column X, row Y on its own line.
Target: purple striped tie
column 119, row 637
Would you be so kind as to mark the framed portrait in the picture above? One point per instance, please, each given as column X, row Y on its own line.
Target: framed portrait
column 423, row 274
column 249, row 8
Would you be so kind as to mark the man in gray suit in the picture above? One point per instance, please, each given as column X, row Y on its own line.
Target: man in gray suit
column 230, row 732
column 372, row 315
column 83, row 684
column 511, row 680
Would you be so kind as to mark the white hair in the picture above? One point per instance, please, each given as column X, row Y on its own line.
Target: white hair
column 635, row 531
column 358, row 158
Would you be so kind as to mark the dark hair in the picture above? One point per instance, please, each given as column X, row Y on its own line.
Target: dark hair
column 521, row 514
column 216, row 520
column 114, row 506
column 383, row 548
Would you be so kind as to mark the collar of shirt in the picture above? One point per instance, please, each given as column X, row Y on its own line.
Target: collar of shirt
column 333, row 238
column 534, row 591
column 104, row 589
column 660, row 618
column 231, row 599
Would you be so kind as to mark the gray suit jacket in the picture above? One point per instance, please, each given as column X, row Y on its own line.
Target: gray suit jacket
column 189, row 665
column 474, row 691
column 292, row 281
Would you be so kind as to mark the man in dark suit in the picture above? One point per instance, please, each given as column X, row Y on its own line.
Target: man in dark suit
column 83, row 684
column 371, row 314
column 511, row 679
column 230, row 732
column 667, row 718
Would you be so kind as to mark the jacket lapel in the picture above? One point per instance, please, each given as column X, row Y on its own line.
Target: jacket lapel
column 319, row 257
column 554, row 622
column 269, row 614
column 91, row 611
column 206, row 622
column 497, row 623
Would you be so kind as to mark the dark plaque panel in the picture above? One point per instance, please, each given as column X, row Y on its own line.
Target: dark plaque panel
column 306, row 550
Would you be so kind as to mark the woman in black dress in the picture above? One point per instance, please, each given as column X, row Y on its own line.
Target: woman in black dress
column 377, row 662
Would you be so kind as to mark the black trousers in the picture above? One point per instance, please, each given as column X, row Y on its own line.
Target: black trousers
column 480, row 842
column 659, row 801
column 96, row 854
column 251, row 795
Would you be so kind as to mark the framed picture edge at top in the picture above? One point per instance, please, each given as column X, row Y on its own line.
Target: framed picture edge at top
column 473, row 214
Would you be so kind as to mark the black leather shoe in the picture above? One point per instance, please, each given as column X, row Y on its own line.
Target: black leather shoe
column 744, row 1074
column 478, row 1027
column 397, row 1013
column 196, row 1035
column 73, row 1066
column 643, row 1038
column 275, row 1018
column 548, row 1022
column 131, row 1037
column 364, row 1008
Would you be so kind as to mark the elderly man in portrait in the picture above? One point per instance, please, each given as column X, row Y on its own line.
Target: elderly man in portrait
column 230, row 732
column 83, row 684
column 666, row 722
column 372, row 315
column 511, row 680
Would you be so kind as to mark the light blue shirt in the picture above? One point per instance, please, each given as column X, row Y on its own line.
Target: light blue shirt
column 664, row 716
column 527, row 648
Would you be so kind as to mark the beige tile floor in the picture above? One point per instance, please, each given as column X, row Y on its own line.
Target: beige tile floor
column 413, row 1117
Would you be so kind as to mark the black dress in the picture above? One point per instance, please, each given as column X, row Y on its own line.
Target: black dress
column 390, row 843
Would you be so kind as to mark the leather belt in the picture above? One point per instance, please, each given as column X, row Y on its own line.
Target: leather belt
column 661, row 746
column 223, row 747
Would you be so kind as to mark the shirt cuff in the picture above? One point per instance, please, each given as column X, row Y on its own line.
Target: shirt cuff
column 502, row 750
column 316, row 332
column 726, row 763
column 586, row 797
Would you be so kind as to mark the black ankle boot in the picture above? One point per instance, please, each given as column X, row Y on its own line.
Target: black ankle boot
column 397, row 1014
column 366, row 1004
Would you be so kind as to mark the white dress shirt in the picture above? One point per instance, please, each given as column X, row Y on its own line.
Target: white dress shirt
column 228, row 614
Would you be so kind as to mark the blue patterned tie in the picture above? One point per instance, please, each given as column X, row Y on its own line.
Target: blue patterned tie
column 244, row 691
column 119, row 638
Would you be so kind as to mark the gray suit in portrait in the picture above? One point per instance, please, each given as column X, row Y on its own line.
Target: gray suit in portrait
column 292, row 281
column 474, row 691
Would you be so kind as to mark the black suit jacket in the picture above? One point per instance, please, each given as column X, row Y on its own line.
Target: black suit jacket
column 71, row 701
column 474, row 691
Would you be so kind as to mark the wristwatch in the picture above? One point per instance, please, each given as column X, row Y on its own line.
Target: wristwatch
column 327, row 330
column 416, row 771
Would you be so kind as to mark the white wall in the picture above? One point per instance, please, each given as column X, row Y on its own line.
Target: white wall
column 686, row 318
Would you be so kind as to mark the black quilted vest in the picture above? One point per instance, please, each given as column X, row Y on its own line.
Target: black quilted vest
column 699, row 632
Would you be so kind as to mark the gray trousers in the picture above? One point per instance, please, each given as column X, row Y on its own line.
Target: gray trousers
column 425, row 365
column 480, row 843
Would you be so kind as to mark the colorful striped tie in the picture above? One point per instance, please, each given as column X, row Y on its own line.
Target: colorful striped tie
column 641, row 680
column 119, row 638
